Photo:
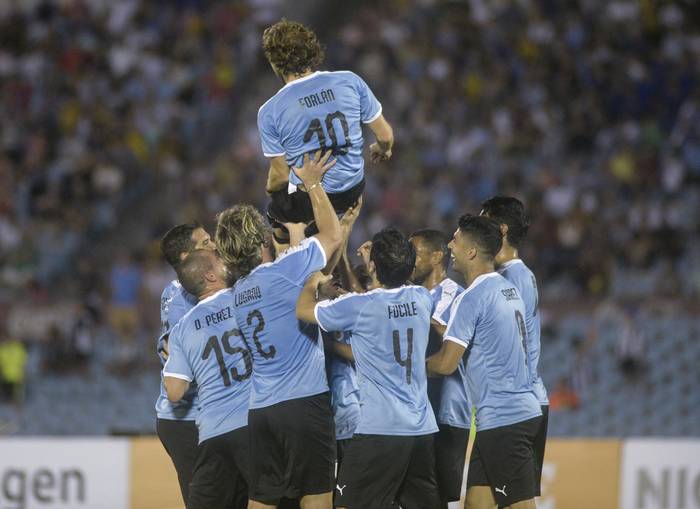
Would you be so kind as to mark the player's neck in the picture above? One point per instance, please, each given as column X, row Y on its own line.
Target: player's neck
column 476, row 270
column 437, row 276
column 506, row 254
column 293, row 77
column 374, row 283
column 212, row 290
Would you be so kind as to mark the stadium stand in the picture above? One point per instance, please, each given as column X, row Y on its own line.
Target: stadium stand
column 589, row 111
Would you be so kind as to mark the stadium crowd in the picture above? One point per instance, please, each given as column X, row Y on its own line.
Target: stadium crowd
column 132, row 116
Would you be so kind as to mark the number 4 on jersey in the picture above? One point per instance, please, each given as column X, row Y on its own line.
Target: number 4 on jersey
column 406, row 363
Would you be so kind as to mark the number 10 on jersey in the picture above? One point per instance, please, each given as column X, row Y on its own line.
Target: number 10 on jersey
column 316, row 129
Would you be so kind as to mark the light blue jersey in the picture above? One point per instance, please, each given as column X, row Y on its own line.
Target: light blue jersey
column 345, row 393
column 206, row 345
column 288, row 353
column 175, row 302
column 323, row 110
column 455, row 406
column 389, row 338
column 524, row 280
column 488, row 319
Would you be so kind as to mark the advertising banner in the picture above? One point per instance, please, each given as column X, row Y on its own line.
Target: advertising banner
column 580, row 474
column 660, row 474
column 64, row 473
column 153, row 479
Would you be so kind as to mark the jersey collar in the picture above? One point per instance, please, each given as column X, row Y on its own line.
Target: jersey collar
column 509, row 263
column 299, row 80
column 212, row 297
column 481, row 279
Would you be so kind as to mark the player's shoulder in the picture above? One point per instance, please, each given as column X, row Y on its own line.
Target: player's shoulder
column 268, row 105
column 172, row 289
column 519, row 274
column 283, row 93
column 450, row 287
column 515, row 268
column 419, row 290
column 343, row 75
column 306, row 245
column 405, row 291
column 350, row 299
column 483, row 288
column 214, row 301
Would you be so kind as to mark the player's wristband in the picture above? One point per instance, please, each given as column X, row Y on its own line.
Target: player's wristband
column 308, row 189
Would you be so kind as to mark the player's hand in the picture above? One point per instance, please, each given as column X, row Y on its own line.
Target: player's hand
column 377, row 154
column 363, row 252
column 330, row 289
column 164, row 349
column 313, row 170
column 319, row 281
column 350, row 216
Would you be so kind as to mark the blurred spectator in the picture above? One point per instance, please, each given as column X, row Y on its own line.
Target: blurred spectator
column 611, row 316
column 67, row 352
column 121, row 119
column 13, row 360
column 563, row 396
column 630, row 350
column 125, row 287
column 582, row 375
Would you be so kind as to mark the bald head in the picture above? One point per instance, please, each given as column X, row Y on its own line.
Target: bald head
column 202, row 272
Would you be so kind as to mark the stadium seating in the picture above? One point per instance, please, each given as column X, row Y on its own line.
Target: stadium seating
column 664, row 401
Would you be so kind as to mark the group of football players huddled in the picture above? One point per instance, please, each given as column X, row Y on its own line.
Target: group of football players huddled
column 293, row 378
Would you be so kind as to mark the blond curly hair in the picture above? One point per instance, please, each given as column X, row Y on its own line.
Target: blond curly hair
column 240, row 233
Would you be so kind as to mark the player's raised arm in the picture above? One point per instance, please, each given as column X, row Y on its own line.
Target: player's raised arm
column 346, row 224
column 307, row 298
column 277, row 175
column 381, row 150
column 329, row 233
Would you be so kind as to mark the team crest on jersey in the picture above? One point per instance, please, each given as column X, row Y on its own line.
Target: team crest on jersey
column 165, row 304
column 510, row 294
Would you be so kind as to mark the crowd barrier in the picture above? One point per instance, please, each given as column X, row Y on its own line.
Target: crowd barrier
column 123, row 473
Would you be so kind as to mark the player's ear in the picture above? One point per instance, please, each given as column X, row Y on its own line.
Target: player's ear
column 436, row 257
column 265, row 253
column 210, row 276
column 371, row 269
column 504, row 229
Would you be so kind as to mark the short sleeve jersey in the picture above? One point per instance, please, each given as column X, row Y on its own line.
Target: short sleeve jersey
column 524, row 280
column 455, row 405
column 324, row 110
column 175, row 302
column 488, row 319
column 206, row 345
column 389, row 338
column 288, row 353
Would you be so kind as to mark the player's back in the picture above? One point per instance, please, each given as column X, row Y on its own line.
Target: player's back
column 288, row 353
column 323, row 110
column 454, row 406
column 497, row 375
column 207, row 346
column 345, row 393
column 389, row 340
column 175, row 302
column 524, row 280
